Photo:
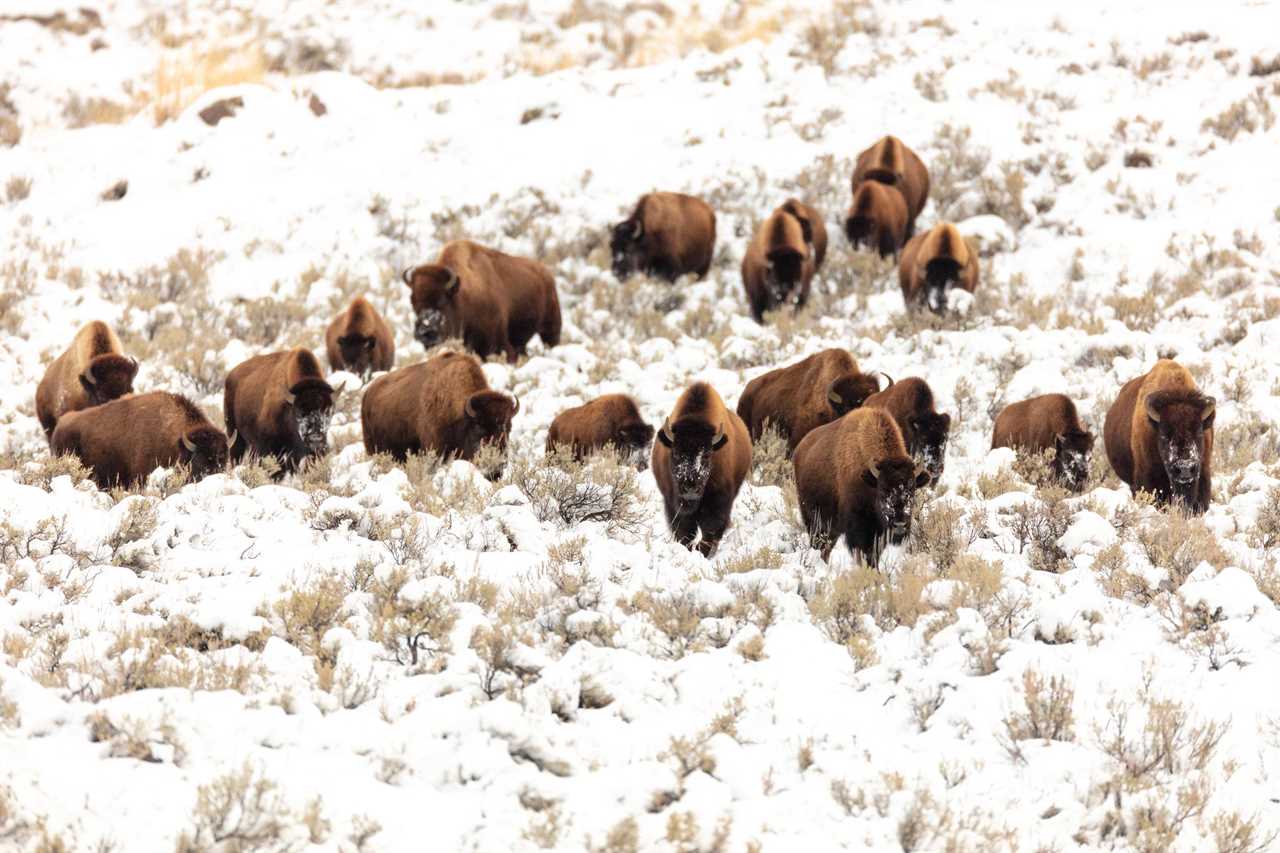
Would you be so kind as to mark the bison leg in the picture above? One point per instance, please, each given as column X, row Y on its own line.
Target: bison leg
column 863, row 542
column 714, row 521
column 683, row 527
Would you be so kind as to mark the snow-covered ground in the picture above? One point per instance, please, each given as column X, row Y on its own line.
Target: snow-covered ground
column 224, row 665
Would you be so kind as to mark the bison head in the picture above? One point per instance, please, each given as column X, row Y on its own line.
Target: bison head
column 624, row 245
column 928, row 442
column 691, row 441
column 783, row 271
column 1071, row 460
column 357, row 353
column 633, row 440
column 433, row 289
column 1180, row 420
column 309, row 407
column 895, row 482
column 939, row 275
column 487, row 421
column 203, row 451
column 108, row 377
column 850, row 392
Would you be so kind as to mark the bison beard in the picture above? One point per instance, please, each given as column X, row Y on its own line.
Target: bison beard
column 940, row 274
column 782, row 276
column 428, row 327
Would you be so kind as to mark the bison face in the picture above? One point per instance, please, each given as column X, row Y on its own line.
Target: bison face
column 310, row 404
column 1180, row 422
column 1071, row 460
column 633, row 443
column 357, row 353
column 487, row 422
column 929, row 433
column 783, row 272
column 433, row 291
column 939, row 275
column 850, row 392
column 108, row 377
column 859, row 230
column 624, row 245
column 692, row 445
column 203, row 451
column 894, row 482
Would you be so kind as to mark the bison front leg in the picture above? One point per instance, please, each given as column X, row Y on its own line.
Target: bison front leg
column 714, row 521
column 684, row 528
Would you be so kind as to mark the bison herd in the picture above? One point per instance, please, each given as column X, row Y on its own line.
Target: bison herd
column 861, row 444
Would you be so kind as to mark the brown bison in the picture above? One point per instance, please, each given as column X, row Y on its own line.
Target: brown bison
column 359, row 340
column 893, row 164
column 854, row 477
column 1048, row 422
column 613, row 419
column 924, row 429
column 667, row 235
column 279, row 405
column 782, row 258
column 124, row 440
column 934, row 262
column 92, row 371
column 877, row 219
column 1159, row 436
column 701, row 457
column 493, row 301
column 806, row 395
column 443, row 406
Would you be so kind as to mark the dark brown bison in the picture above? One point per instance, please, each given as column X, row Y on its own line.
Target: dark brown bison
column 782, row 258
column 924, row 429
column 1048, row 422
column 806, row 395
column 667, row 235
column 854, row 477
column 613, row 419
column 934, row 262
column 279, row 405
column 877, row 219
column 124, row 440
column 359, row 340
column 92, row 371
column 1159, row 436
column 443, row 406
column 893, row 164
column 701, row 457
column 493, row 301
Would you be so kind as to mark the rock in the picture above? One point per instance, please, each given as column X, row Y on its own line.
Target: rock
column 116, row 191
column 317, row 106
column 220, row 109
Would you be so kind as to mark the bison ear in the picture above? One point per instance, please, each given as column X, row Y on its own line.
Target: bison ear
column 869, row 477
column 1210, row 405
column 407, row 277
column 664, row 435
column 451, row 286
column 1152, row 407
column 922, row 477
column 720, row 440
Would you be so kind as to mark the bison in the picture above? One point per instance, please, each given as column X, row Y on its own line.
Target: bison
column 1048, row 422
column 782, row 258
column 359, row 340
column 493, row 301
column 279, row 405
column 877, row 219
column 701, row 457
column 124, row 440
column 443, row 406
column 613, row 419
column 854, row 477
column 92, row 371
column 934, row 262
column 925, row 430
column 667, row 235
column 893, row 164
column 1159, row 436
column 806, row 395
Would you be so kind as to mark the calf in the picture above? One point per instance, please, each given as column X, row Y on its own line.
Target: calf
column 934, row 262
column 359, row 340
column 613, row 419
column 92, row 371
column 924, row 429
column 1048, row 422
column 666, row 235
column 782, row 258
column 279, row 405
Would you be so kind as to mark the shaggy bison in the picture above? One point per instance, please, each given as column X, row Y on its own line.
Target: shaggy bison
column 279, row 405
column 701, row 457
column 854, row 477
column 124, row 440
column 495, row 302
column 924, row 429
column 613, row 419
column 1159, row 436
column 782, row 258
column 934, row 262
column 443, row 406
column 806, row 395
column 359, row 340
column 893, row 164
column 1048, row 422
column 877, row 219
column 92, row 371
column 667, row 235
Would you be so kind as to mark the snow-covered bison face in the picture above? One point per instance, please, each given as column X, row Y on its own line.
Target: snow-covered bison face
column 692, row 445
column 1180, row 422
column 895, row 482
column 624, row 244
column 433, row 289
column 1071, row 460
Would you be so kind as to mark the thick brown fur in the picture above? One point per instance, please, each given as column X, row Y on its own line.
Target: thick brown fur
column 1143, row 451
column 612, row 419
column 359, row 340
column 924, row 429
column 121, row 442
column 934, row 262
column 493, row 301
column 1048, row 422
column 892, row 163
column 799, row 398
column 700, row 459
column 270, row 404
column 780, row 262
column 423, row 409
column 839, row 492
column 877, row 218
column 677, row 235
column 92, row 371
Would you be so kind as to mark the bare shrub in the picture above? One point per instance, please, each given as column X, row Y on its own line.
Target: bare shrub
column 1244, row 116
column 1037, row 525
column 1179, row 543
column 408, row 626
column 241, row 811
column 306, row 614
column 600, row 489
column 1048, row 715
column 771, row 459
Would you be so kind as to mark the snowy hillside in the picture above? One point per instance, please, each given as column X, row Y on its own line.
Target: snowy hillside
column 371, row 657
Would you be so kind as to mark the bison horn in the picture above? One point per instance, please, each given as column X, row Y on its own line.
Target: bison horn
column 669, row 439
column 134, row 362
column 341, row 388
column 1210, row 405
column 1151, row 412
column 874, row 468
column 404, row 276
column 88, row 375
column 886, row 376
column 468, row 409
column 451, row 284
column 516, row 401
column 289, row 398
column 835, row 397
column 188, row 443
column 637, row 229
column 231, row 439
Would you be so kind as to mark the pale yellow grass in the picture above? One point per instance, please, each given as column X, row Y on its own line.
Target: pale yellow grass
column 183, row 76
